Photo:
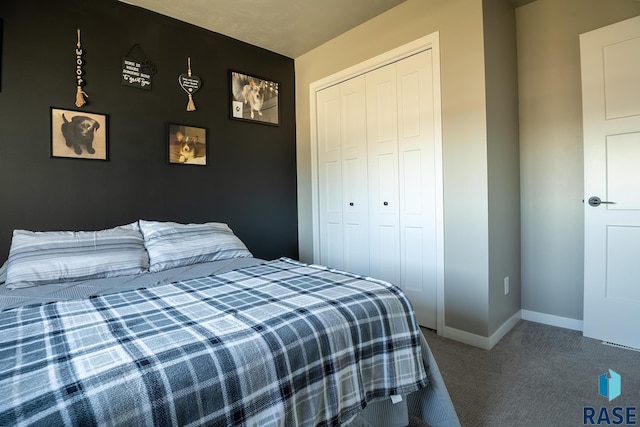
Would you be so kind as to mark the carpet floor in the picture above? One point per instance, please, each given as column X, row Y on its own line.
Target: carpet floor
column 537, row 375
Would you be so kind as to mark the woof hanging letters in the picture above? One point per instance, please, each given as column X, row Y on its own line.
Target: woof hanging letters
column 80, row 93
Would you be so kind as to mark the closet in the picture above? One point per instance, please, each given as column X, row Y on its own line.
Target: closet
column 377, row 182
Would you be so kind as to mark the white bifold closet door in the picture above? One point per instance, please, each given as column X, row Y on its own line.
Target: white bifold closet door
column 377, row 186
column 342, row 156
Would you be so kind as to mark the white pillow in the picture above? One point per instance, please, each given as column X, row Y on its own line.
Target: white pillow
column 3, row 273
column 170, row 244
column 38, row 258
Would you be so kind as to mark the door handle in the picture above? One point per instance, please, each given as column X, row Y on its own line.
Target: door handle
column 595, row 202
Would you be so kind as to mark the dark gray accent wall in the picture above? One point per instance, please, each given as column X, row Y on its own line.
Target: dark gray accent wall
column 250, row 179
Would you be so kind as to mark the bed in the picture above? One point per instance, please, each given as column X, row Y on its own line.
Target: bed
column 159, row 323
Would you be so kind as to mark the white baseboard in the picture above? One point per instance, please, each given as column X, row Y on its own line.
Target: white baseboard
column 485, row 343
column 504, row 329
column 466, row 337
column 552, row 320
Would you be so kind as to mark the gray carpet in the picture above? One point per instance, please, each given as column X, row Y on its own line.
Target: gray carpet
column 537, row 375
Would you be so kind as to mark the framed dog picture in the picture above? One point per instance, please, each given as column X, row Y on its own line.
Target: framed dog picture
column 254, row 99
column 79, row 134
column 187, row 145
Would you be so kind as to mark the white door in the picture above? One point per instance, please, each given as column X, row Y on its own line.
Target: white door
column 417, row 172
column 610, row 61
column 330, row 176
column 402, row 180
column 384, row 200
column 342, row 160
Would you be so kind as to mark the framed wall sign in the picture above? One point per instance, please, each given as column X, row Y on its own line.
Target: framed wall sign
column 137, row 72
column 79, row 134
column 187, row 145
column 254, row 99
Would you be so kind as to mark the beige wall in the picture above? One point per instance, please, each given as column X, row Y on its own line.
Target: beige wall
column 503, row 160
column 459, row 23
column 551, row 147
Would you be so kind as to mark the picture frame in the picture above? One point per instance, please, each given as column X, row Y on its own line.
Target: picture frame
column 79, row 134
column 254, row 99
column 187, row 145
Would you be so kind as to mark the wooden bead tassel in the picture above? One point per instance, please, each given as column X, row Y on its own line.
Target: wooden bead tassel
column 80, row 97
column 191, row 106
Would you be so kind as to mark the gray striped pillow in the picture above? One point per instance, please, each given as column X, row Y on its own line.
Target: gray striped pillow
column 172, row 245
column 38, row 258
column 3, row 273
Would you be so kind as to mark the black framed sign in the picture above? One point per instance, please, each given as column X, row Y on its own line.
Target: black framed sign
column 254, row 99
column 187, row 145
column 79, row 134
column 137, row 72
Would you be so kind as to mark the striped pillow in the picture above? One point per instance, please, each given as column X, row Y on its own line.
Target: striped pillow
column 3, row 273
column 38, row 258
column 172, row 245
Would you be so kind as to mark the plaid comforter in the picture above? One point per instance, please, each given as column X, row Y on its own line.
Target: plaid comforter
column 278, row 344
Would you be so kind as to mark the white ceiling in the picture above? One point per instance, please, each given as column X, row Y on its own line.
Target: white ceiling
column 288, row 27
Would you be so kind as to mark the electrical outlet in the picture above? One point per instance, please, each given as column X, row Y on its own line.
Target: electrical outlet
column 506, row 285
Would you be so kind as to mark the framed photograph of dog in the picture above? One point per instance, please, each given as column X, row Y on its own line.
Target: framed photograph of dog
column 79, row 134
column 187, row 145
column 254, row 99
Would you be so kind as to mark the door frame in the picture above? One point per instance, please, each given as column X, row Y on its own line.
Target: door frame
column 428, row 42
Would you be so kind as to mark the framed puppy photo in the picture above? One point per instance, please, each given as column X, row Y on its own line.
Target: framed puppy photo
column 254, row 99
column 79, row 134
column 187, row 145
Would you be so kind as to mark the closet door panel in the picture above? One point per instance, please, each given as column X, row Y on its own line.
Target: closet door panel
column 354, row 164
column 413, row 182
column 413, row 248
column 342, row 165
column 387, row 266
column 385, row 250
column 416, row 145
column 330, row 176
column 333, row 245
column 382, row 142
column 332, row 190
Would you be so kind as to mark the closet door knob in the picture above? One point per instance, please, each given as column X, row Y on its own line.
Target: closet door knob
column 386, row 203
column 350, row 203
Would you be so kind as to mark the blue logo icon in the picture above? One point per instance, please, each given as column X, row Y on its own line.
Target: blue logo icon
column 609, row 385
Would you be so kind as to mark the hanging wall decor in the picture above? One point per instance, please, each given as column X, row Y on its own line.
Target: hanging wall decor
column 254, row 99
column 137, row 72
column 187, row 145
column 190, row 84
column 79, row 134
column 80, row 94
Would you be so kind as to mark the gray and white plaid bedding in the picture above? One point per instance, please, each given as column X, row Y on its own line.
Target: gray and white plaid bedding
column 277, row 344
